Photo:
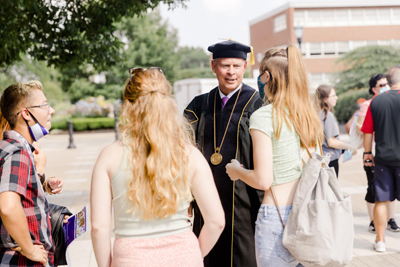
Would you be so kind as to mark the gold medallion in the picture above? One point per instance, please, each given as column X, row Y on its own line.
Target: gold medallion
column 216, row 158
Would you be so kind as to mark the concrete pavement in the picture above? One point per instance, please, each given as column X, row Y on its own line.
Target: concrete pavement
column 75, row 167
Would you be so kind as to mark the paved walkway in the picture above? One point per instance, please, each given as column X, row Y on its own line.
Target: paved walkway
column 75, row 167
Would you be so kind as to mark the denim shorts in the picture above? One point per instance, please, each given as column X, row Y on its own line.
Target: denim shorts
column 269, row 248
column 386, row 182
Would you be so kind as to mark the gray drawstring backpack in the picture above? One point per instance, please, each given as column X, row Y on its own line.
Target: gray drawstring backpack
column 319, row 230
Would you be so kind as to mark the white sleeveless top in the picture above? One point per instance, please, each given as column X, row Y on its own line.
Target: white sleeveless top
column 128, row 225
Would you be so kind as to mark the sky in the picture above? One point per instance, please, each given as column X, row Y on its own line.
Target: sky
column 203, row 22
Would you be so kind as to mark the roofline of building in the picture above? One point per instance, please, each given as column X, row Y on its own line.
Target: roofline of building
column 319, row 4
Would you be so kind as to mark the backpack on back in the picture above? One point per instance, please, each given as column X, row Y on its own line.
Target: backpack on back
column 319, row 230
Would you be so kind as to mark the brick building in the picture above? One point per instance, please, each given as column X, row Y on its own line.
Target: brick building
column 330, row 29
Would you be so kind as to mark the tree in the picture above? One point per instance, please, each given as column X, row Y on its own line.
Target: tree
column 193, row 57
column 148, row 41
column 27, row 69
column 361, row 63
column 67, row 33
column 195, row 63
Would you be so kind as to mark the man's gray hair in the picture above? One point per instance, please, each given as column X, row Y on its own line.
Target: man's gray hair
column 393, row 76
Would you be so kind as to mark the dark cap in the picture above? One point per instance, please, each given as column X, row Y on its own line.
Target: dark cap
column 230, row 49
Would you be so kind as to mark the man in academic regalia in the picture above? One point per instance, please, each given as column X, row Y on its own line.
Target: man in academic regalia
column 220, row 120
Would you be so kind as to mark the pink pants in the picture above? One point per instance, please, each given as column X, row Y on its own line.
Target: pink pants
column 176, row 250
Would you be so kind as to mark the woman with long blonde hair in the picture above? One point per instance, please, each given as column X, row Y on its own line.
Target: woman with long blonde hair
column 277, row 150
column 148, row 178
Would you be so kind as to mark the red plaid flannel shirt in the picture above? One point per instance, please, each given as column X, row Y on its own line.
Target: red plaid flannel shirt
column 17, row 174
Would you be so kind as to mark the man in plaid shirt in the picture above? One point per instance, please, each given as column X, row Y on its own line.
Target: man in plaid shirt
column 25, row 230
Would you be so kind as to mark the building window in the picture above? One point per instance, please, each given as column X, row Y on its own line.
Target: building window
column 299, row 18
column 328, row 17
column 316, row 78
column 343, row 47
column 357, row 44
column 372, row 42
column 315, row 49
column 313, row 18
column 384, row 16
column 341, row 17
column 329, row 49
column 347, row 17
column 370, row 15
column 357, row 16
column 384, row 42
column 280, row 23
column 396, row 14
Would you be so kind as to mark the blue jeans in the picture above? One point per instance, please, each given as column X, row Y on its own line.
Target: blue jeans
column 269, row 248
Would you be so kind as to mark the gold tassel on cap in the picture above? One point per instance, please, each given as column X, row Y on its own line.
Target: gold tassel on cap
column 252, row 61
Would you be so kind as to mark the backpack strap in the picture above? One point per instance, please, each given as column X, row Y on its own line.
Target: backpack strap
column 277, row 206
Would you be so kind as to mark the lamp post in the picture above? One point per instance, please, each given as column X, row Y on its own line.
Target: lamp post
column 298, row 32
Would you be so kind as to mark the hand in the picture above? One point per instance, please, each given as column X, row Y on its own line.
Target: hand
column 368, row 157
column 353, row 150
column 56, row 185
column 40, row 159
column 38, row 254
column 231, row 169
column 65, row 220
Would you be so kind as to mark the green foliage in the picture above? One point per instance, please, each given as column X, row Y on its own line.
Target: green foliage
column 196, row 73
column 61, row 124
column 194, row 63
column 83, row 124
column 193, row 58
column 361, row 63
column 28, row 69
column 67, row 33
column 81, row 88
column 347, row 104
column 150, row 41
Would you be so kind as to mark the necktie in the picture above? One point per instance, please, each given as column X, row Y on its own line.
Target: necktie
column 224, row 100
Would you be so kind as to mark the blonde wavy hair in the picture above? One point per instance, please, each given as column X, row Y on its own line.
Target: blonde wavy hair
column 156, row 137
column 288, row 89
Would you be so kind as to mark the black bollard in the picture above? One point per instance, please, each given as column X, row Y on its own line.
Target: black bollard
column 71, row 132
column 116, row 122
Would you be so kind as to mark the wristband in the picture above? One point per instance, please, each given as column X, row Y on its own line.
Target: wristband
column 365, row 153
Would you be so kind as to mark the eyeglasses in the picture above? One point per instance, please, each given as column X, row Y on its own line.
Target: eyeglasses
column 382, row 85
column 270, row 74
column 45, row 106
column 134, row 70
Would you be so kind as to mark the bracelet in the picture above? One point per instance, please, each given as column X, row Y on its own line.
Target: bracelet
column 365, row 153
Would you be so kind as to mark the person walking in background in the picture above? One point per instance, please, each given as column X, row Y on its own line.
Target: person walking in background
column 24, row 210
column 277, row 150
column 383, row 119
column 220, row 120
column 148, row 177
column 327, row 98
column 377, row 84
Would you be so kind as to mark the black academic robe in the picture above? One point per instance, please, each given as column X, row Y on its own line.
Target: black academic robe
column 240, row 202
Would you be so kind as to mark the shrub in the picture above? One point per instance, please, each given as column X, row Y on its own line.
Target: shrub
column 347, row 104
column 83, row 124
column 61, row 124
